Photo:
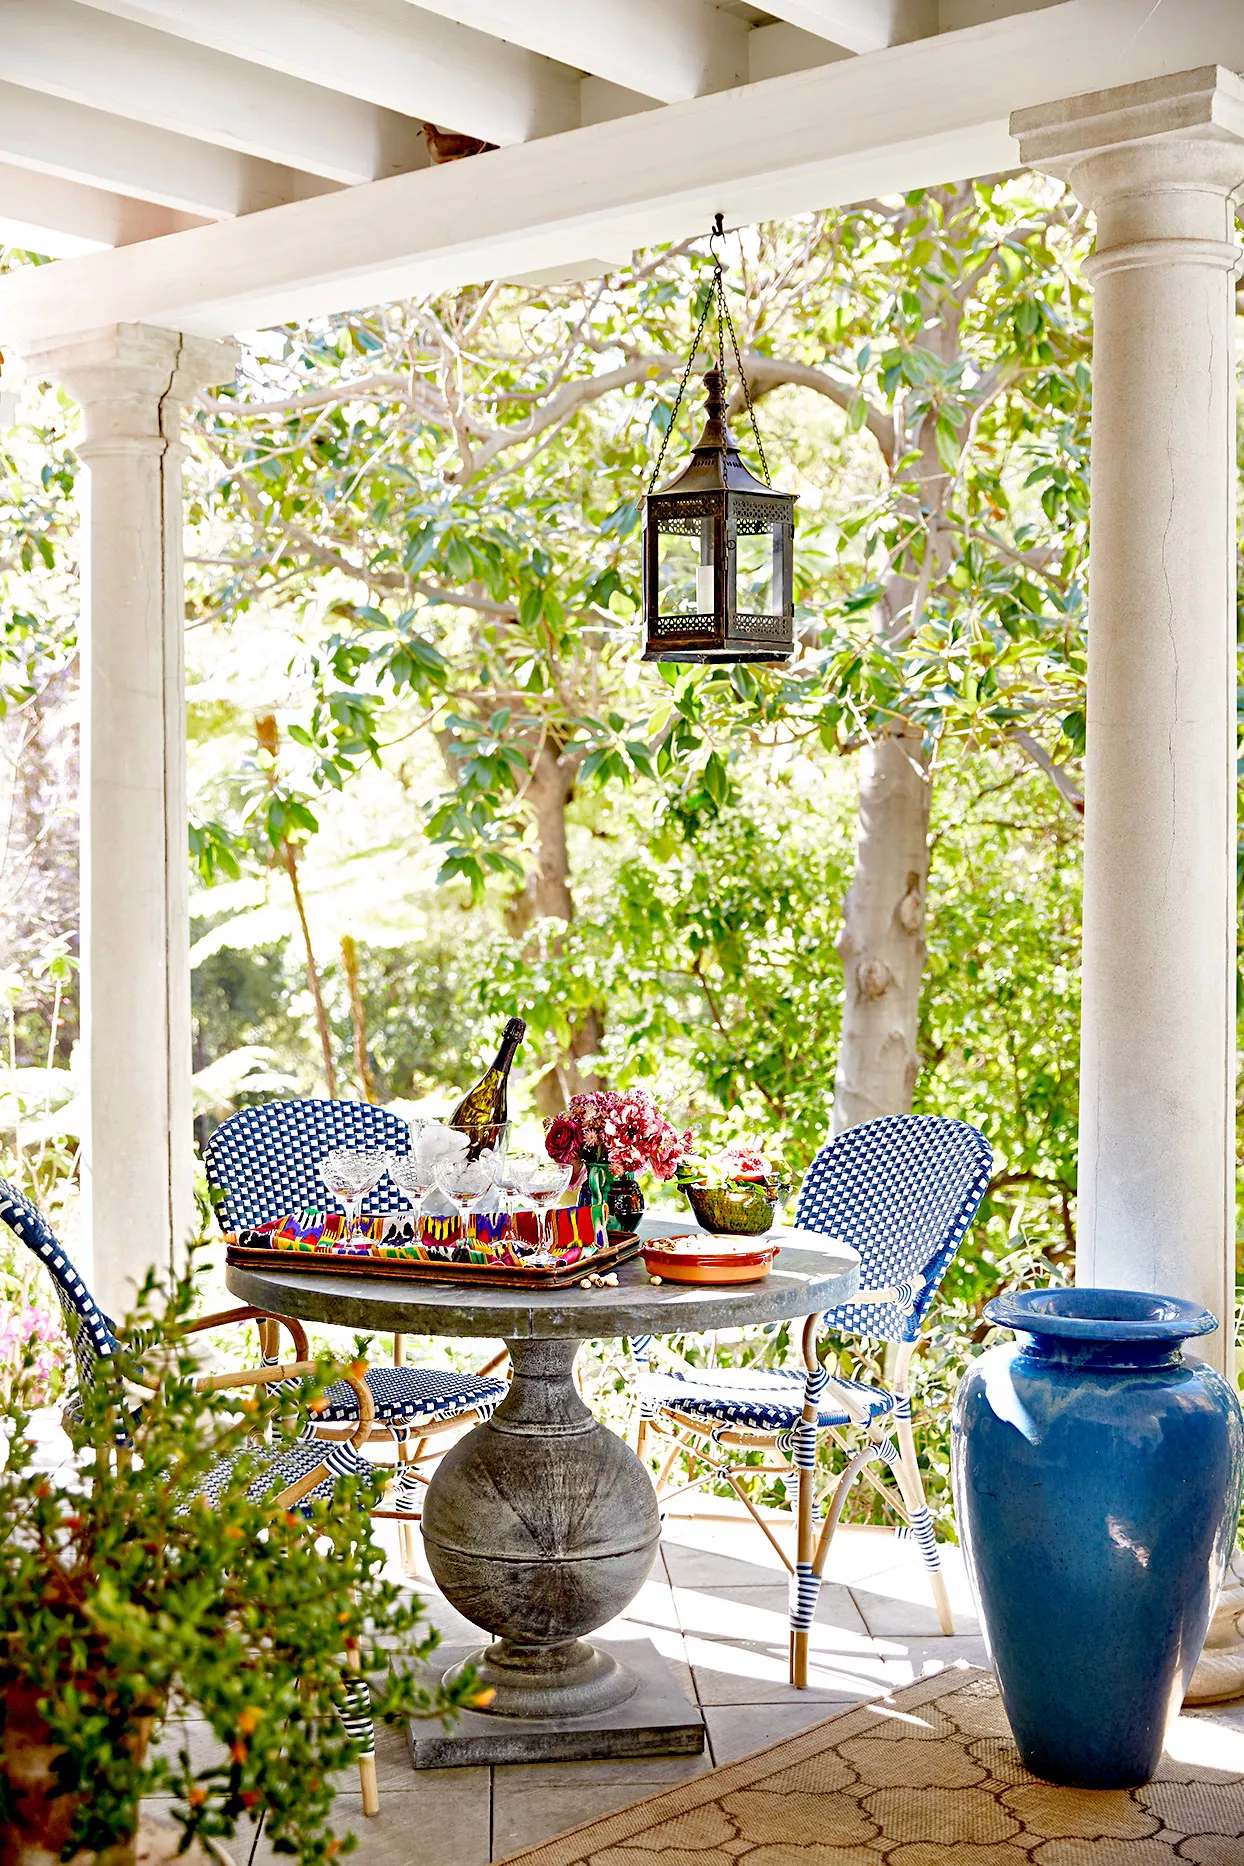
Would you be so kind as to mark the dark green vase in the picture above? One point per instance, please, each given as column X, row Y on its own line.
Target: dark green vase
column 625, row 1202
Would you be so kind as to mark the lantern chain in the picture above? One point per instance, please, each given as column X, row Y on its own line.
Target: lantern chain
column 673, row 420
column 738, row 363
column 724, row 322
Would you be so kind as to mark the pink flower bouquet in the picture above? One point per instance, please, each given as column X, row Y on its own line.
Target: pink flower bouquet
column 624, row 1131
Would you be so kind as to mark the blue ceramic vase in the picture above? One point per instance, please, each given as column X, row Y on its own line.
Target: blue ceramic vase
column 1097, row 1479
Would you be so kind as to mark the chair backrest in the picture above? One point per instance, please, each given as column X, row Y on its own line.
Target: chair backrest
column 901, row 1191
column 87, row 1326
column 265, row 1158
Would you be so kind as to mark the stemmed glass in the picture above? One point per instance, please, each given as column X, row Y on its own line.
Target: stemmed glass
column 350, row 1174
column 514, row 1179
column 545, row 1182
column 412, row 1174
column 465, row 1182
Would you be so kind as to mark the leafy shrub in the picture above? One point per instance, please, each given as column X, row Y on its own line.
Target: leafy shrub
column 127, row 1600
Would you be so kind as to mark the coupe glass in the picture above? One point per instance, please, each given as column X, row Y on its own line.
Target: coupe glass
column 514, row 1180
column 465, row 1182
column 411, row 1173
column 350, row 1174
column 546, row 1182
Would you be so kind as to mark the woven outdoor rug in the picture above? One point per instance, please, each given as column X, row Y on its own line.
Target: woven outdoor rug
column 926, row 1777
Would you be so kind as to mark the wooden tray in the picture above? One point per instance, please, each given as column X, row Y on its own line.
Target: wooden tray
column 622, row 1246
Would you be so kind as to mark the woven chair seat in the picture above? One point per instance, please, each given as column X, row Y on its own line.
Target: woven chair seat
column 277, row 1470
column 414, row 1396
column 758, row 1399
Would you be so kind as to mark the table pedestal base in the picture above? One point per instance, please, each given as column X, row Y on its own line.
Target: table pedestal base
column 574, row 1680
column 653, row 1719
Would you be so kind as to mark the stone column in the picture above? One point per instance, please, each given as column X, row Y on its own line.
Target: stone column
column 1160, row 163
column 131, row 383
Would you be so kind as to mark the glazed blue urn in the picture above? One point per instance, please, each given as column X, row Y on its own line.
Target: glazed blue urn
column 1097, row 1477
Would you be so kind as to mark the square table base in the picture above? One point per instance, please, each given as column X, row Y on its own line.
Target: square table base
column 658, row 1721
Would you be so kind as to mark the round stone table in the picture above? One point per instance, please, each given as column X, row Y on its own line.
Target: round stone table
column 542, row 1525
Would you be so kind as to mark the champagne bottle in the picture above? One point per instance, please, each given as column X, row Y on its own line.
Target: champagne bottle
column 483, row 1110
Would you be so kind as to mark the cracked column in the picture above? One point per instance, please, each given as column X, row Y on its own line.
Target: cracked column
column 131, row 383
column 1160, row 163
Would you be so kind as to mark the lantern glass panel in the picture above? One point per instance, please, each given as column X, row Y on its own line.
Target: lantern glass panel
column 685, row 568
column 758, row 566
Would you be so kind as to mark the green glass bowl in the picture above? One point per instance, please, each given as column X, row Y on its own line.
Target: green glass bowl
column 741, row 1210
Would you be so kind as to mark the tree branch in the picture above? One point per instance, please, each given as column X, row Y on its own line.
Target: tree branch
column 765, row 373
column 1057, row 774
column 560, row 406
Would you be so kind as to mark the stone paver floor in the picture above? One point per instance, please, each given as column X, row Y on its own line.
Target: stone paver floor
column 715, row 1607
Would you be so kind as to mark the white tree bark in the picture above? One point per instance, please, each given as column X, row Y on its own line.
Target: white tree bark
column 882, row 940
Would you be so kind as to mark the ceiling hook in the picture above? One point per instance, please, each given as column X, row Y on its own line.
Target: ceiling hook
column 718, row 232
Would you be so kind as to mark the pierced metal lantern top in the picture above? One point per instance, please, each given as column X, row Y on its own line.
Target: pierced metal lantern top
column 716, row 464
column 718, row 543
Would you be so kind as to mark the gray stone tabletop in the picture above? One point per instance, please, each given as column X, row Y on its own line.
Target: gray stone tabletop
column 810, row 1273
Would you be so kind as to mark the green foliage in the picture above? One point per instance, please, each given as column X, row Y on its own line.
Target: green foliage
column 128, row 1600
column 449, row 496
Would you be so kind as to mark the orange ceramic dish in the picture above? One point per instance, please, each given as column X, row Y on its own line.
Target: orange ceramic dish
column 697, row 1260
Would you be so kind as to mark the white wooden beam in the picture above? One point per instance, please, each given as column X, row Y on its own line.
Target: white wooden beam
column 76, row 52
column 860, row 25
column 904, row 118
column 777, row 50
column 62, row 219
column 667, row 49
column 384, row 52
column 104, row 151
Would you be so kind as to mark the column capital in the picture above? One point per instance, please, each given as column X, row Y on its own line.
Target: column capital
column 1161, row 163
column 131, row 381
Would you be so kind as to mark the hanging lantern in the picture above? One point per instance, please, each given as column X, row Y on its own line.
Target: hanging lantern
column 718, row 544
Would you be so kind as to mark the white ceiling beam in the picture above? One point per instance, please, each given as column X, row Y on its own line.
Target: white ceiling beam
column 78, row 53
column 92, row 147
column 62, row 219
column 908, row 117
column 860, row 25
column 667, row 49
column 384, row 52
column 775, row 51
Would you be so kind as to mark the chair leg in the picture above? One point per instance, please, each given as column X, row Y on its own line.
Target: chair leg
column 910, row 1482
column 807, row 1584
column 356, row 1718
column 671, row 1460
column 811, row 1565
column 401, row 1441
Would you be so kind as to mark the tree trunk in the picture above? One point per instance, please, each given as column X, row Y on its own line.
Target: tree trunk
column 547, row 896
column 882, row 940
column 358, row 1018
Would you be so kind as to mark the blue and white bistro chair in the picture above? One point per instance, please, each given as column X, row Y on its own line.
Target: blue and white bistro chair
column 902, row 1192
column 261, row 1164
column 289, row 1478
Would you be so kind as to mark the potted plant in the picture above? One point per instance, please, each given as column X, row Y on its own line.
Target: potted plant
column 609, row 1136
column 127, row 1600
column 736, row 1190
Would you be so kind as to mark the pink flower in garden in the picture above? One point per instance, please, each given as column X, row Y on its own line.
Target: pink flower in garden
column 34, row 1331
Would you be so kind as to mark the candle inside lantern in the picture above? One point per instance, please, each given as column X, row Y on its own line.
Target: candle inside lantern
column 704, row 589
